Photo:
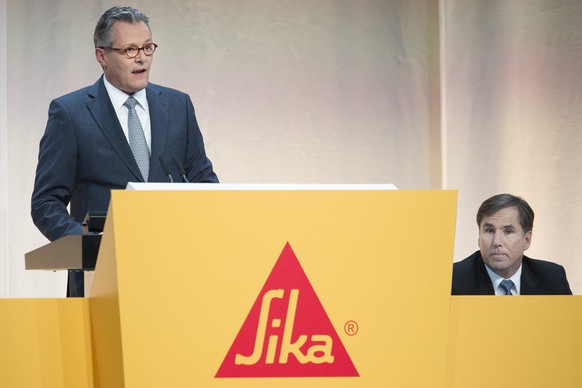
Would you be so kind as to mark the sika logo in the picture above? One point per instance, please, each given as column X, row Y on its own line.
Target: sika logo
column 287, row 332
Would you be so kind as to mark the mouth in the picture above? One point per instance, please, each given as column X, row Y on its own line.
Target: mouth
column 498, row 255
column 138, row 71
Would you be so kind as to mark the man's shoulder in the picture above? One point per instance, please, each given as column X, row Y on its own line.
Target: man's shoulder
column 541, row 266
column 80, row 94
column 470, row 277
column 166, row 91
column 543, row 277
column 468, row 263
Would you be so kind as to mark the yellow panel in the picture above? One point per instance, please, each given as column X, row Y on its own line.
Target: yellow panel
column 190, row 265
column 525, row 341
column 105, row 323
column 45, row 343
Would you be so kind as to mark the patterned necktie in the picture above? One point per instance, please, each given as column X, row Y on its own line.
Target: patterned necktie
column 137, row 140
column 506, row 286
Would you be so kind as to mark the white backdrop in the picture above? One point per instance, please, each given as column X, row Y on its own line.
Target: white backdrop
column 480, row 97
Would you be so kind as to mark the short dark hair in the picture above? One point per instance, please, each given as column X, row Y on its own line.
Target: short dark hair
column 102, row 36
column 502, row 201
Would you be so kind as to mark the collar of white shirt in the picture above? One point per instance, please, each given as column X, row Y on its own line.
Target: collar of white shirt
column 496, row 280
column 118, row 97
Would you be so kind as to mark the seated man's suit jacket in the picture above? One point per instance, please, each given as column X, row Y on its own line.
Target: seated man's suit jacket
column 538, row 277
column 84, row 154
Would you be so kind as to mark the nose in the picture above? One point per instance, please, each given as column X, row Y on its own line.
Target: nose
column 497, row 239
column 140, row 57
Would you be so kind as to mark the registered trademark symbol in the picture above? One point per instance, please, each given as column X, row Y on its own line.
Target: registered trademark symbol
column 351, row 328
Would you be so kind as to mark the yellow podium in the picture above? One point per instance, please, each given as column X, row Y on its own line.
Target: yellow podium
column 285, row 286
column 276, row 287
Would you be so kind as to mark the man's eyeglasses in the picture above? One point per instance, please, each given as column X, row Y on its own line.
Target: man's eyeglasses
column 133, row 51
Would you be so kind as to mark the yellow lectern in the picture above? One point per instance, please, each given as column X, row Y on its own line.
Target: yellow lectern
column 285, row 286
column 234, row 286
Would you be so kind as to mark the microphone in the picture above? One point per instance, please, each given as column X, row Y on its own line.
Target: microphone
column 165, row 169
column 180, row 168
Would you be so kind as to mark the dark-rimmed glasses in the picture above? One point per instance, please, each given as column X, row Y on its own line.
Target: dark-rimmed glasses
column 133, row 51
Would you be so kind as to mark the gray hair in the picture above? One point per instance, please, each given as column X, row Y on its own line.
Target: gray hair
column 102, row 36
column 502, row 201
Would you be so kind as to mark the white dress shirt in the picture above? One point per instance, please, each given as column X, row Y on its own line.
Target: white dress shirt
column 496, row 280
column 118, row 98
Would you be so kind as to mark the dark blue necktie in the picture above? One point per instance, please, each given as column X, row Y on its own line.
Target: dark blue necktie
column 506, row 286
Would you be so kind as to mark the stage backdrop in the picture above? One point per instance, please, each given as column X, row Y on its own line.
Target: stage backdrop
column 479, row 96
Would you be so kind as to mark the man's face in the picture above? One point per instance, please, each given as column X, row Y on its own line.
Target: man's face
column 127, row 74
column 502, row 241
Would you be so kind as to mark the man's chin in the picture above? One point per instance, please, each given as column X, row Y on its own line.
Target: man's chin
column 502, row 268
column 497, row 262
column 498, row 267
column 135, row 87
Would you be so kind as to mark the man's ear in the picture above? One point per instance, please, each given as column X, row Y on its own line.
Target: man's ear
column 100, row 55
column 527, row 240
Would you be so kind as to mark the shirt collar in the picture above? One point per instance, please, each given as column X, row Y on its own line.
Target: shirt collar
column 118, row 97
column 496, row 279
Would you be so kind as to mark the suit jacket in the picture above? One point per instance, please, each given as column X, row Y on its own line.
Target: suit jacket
column 84, row 154
column 538, row 277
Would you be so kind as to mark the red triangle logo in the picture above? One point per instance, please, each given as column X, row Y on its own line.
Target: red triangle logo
column 287, row 332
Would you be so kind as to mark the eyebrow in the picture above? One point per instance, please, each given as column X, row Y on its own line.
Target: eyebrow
column 510, row 226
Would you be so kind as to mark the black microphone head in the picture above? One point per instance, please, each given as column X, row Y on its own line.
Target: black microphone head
column 165, row 169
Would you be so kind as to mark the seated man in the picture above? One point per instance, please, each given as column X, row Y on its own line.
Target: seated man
column 499, row 267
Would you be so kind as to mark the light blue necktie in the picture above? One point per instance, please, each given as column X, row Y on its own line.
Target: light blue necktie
column 506, row 286
column 137, row 140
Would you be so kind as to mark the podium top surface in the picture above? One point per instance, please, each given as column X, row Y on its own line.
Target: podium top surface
column 255, row 186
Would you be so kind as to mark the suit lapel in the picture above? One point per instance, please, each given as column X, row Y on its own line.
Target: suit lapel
column 529, row 282
column 101, row 109
column 159, row 120
column 483, row 281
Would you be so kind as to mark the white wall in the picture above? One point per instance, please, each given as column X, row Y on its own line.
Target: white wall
column 512, row 83
column 482, row 98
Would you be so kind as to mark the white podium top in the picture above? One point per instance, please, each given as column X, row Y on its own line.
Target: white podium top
column 255, row 186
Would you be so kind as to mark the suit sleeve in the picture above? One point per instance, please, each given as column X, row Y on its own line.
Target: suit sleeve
column 198, row 167
column 55, row 176
column 565, row 285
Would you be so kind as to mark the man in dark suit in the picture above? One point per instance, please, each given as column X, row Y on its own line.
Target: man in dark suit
column 88, row 147
column 499, row 267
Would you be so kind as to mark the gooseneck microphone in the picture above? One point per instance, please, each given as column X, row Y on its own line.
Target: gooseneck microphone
column 165, row 169
column 180, row 168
